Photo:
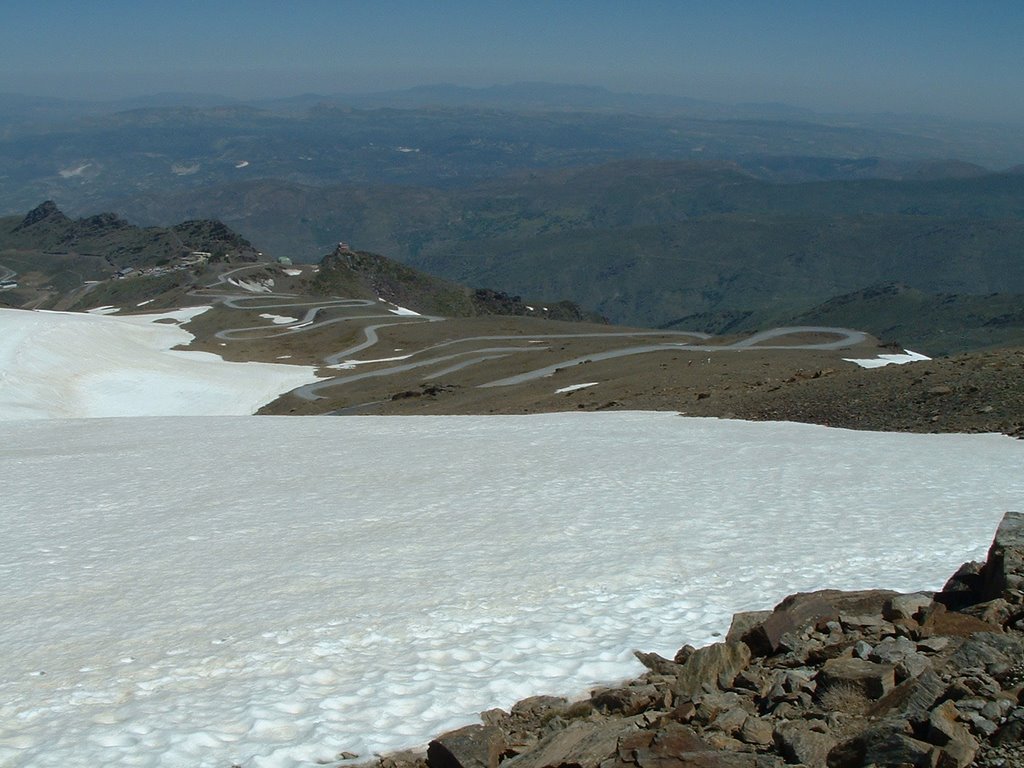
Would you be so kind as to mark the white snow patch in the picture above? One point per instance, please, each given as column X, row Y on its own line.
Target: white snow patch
column 66, row 364
column 180, row 169
column 242, row 164
column 293, row 272
column 78, row 170
column 907, row 356
column 107, row 310
column 144, row 303
column 403, row 311
column 256, row 286
column 180, row 316
column 345, row 365
column 574, row 387
column 279, row 319
column 204, row 592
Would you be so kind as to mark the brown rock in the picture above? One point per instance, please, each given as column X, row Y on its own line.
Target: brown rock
column 798, row 743
column 743, row 622
column 906, row 606
column 659, row 665
column 712, row 667
column 945, row 623
column 871, row 679
column 756, row 731
column 582, row 743
column 1004, row 568
column 809, row 610
column 882, row 745
column 958, row 746
column 475, row 746
column 630, row 700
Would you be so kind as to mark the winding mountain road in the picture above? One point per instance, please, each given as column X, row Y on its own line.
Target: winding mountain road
column 226, row 292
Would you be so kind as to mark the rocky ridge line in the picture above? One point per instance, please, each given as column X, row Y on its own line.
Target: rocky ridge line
column 827, row 679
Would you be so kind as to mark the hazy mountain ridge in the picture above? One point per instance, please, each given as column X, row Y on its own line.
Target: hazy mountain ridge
column 648, row 242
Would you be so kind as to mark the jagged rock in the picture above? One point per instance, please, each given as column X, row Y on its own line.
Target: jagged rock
column 1011, row 732
column 475, row 746
column 799, row 743
column 714, row 666
column 809, row 610
column 42, row 211
column 403, row 759
column 730, row 721
column 630, row 700
column 1003, row 575
column 871, row 679
column 756, row 731
column 743, row 622
column 892, row 650
column 963, row 588
column 658, row 664
column 882, row 745
column 913, row 665
column 709, row 759
column 669, row 740
column 711, row 705
column 906, row 606
column 945, row 730
column 582, row 743
column 939, row 620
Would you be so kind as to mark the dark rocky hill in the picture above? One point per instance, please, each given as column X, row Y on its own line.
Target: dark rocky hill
column 360, row 274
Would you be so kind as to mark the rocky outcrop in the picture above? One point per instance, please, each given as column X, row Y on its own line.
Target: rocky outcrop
column 826, row 680
column 44, row 211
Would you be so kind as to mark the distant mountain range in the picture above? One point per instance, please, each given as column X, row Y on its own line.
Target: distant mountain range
column 649, row 210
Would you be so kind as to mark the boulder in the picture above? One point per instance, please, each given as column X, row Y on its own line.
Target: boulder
column 712, row 667
column 475, row 746
column 882, row 745
column 906, row 606
column 800, row 743
column 582, row 743
column 743, row 622
column 1003, row 575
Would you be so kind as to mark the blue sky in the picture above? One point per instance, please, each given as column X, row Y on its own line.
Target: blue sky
column 961, row 58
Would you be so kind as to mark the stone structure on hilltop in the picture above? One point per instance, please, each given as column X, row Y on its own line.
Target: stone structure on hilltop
column 827, row 679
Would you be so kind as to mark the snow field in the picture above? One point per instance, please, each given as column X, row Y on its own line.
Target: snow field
column 900, row 358
column 67, row 364
column 273, row 591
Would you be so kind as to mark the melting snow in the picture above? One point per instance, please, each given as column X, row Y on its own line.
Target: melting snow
column 107, row 310
column 574, row 387
column 403, row 311
column 272, row 591
column 894, row 359
column 65, row 364
column 262, row 286
column 279, row 319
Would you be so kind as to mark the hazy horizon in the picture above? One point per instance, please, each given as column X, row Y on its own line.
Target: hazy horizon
column 943, row 58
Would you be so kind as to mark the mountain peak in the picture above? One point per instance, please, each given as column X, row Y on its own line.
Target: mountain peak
column 45, row 210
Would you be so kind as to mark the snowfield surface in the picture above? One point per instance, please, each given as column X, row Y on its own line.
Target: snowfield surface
column 273, row 591
column 900, row 358
column 69, row 364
